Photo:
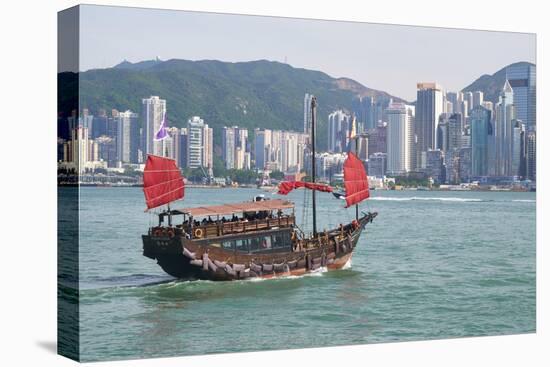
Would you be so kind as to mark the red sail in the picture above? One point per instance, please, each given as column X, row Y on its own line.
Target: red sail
column 287, row 186
column 162, row 181
column 355, row 180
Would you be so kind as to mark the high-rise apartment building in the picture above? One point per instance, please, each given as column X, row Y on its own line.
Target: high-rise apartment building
column 153, row 112
column 228, row 147
column 477, row 99
column 435, row 165
column 481, row 132
column 523, row 80
column 127, row 139
column 505, row 115
column 377, row 139
column 519, row 149
column 339, row 124
column 399, row 138
column 531, row 155
column 199, row 143
column 429, row 106
column 234, row 146
column 377, row 165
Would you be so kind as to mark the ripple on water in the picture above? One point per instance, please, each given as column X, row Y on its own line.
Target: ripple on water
column 431, row 265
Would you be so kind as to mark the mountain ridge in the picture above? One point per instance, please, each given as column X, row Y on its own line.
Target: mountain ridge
column 245, row 93
column 248, row 94
column 491, row 84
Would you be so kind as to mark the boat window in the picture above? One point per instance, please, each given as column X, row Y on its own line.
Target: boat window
column 266, row 242
column 229, row 245
column 281, row 240
column 261, row 243
column 242, row 245
column 255, row 244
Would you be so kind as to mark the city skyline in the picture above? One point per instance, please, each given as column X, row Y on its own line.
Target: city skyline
column 445, row 135
column 461, row 148
column 185, row 37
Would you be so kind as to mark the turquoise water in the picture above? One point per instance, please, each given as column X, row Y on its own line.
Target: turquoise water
column 432, row 265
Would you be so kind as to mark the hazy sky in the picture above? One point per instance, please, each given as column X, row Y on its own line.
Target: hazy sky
column 386, row 57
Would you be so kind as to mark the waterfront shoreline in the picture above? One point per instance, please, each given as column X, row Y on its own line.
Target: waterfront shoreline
column 274, row 188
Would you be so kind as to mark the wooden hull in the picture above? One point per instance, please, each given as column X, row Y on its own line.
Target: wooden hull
column 193, row 259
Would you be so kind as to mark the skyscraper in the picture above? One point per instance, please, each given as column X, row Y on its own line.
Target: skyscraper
column 465, row 164
column 377, row 139
column 531, row 155
column 362, row 146
column 182, row 158
column 377, row 164
column 153, row 111
column 455, row 131
column 363, row 108
column 262, row 140
column 434, row 165
column 443, row 133
column 107, row 150
column 234, row 146
column 278, row 150
column 519, row 148
column 468, row 97
column 505, row 114
column 199, row 143
column 399, row 133
column 452, row 97
column 112, row 125
column 209, row 148
column 228, row 147
column 80, row 149
column 464, row 108
column 429, row 105
column 86, row 120
column 127, row 139
column 452, row 166
column 289, row 153
column 488, row 105
column 477, row 99
column 241, row 139
column 172, row 144
column 522, row 78
column 99, row 127
column 338, row 128
column 481, row 131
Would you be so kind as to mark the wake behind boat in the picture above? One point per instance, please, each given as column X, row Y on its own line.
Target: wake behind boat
column 257, row 238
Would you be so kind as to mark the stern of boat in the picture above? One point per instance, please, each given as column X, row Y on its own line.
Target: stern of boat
column 153, row 246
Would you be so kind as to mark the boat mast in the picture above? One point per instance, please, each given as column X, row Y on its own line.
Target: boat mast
column 313, row 118
column 357, row 154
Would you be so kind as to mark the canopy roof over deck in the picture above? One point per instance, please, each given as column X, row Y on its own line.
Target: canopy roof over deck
column 226, row 209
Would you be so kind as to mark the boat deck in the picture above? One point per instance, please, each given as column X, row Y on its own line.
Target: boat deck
column 220, row 228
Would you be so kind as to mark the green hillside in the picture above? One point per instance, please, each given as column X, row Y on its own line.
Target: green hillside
column 249, row 94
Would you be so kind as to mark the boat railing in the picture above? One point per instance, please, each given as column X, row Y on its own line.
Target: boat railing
column 220, row 228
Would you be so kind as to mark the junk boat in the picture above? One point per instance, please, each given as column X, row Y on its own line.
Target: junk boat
column 256, row 238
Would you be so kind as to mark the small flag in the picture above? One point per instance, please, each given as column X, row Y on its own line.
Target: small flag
column 162, row 133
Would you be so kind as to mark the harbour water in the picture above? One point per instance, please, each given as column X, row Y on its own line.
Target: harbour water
column 432, row 265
